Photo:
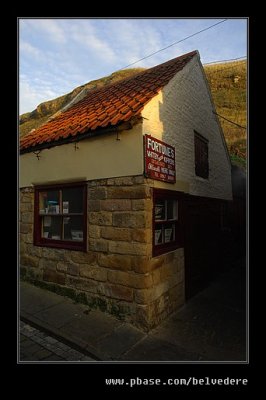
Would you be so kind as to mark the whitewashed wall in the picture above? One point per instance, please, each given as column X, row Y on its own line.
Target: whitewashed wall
column 185, row 105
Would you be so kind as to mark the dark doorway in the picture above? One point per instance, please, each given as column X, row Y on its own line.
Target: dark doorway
column 202, row 242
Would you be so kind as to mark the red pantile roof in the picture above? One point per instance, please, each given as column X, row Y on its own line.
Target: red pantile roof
column 105, row 107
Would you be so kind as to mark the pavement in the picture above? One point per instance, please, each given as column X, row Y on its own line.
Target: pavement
column 209, row 327
column 36, row 345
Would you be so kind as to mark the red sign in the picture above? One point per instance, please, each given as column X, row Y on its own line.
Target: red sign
column 159, row 160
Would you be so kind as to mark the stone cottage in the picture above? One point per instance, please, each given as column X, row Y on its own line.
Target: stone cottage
column 117, row 190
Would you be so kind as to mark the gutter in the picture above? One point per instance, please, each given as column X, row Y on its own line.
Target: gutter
column 77, row 138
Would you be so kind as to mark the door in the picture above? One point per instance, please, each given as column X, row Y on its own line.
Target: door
column 201, row 234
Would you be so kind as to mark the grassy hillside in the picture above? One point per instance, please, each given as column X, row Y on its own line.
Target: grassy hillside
column 46, row 110
column 228, row 85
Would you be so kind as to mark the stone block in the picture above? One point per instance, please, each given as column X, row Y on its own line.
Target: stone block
column 101, row 182
column 144, row 317
column 26, row 197
column 25, row 228
column 72, row 269
column 27, row 217
column 94, row 205
column 163, row 288
column 116, row 205
column 156, row 262
column 97, row 193
column 138, row 180
column 34, row 250
column 53, row 254
column 114, row 233
column 144, row 296
column 167, row 271
column 94, row 231
column 22, row 247
column 181, row 275
column 48, row 264
column 130, row 279
column 140, row 264
column 118, row 292
column 160, row 304
column 119, row 277
column 28, row 191
column 91, row 184
column 28, row 238
column 87, row 285
column 61, row 266
column 100, row 218
column 26, row 207
column 141, row 235
column 54, row 276
column 29, row 260
column 96, row 273
column 156, row 276
column 169, row 257
column 128, row 192
column 148, row 220
column 81, row 257
column 128, row 248
column 98, row 245
column 115, row 261
column 111, row 182
column 123, row 181
column 129, row 219
column 175, row 298
column 141, row 204
column 141, row 281
column 138, row 204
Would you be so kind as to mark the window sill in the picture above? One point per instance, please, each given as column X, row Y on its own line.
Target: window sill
column 160, row 250
column 200, row 179
column 62, row 245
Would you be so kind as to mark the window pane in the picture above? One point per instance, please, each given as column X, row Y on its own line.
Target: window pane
column 73, row 228
column 171, row 209
column 169, row 233
column 51, row 227
column 159, row 210
column 72, row 199
column 43, row 203
column 158, row 237
column 49, row 202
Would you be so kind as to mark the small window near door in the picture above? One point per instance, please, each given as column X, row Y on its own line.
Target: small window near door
column 201, row 156
column 166, row 232
column 60, row 216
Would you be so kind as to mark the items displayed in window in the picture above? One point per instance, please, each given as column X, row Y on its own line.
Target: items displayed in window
column 61, row 215
column 165, row 211
column 166, row 225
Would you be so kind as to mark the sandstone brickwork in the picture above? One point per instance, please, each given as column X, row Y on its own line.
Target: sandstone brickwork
column 117, row 272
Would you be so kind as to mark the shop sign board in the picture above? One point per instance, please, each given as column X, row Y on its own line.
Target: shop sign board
column 159, row 160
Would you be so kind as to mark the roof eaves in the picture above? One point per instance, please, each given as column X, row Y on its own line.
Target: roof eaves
column 123, row 125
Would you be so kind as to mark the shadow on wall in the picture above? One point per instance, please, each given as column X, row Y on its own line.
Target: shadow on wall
column 239, row 208
column 214, row 230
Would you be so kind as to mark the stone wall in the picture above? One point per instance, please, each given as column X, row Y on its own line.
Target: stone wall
column 117, row 273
